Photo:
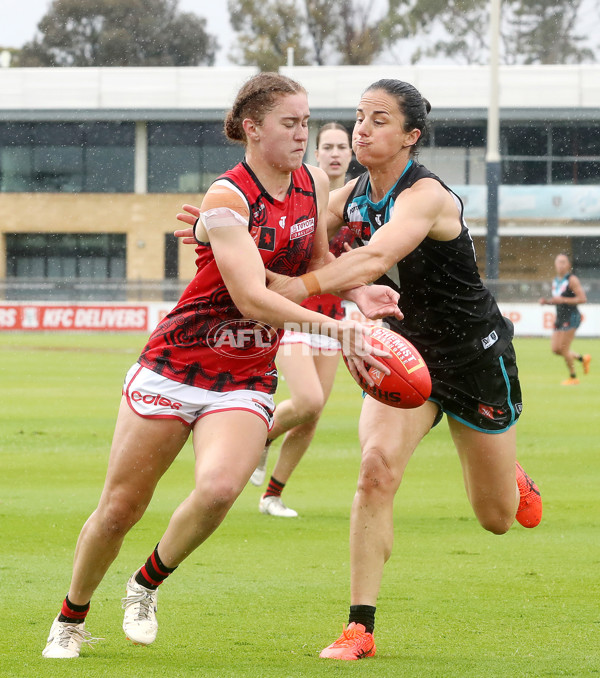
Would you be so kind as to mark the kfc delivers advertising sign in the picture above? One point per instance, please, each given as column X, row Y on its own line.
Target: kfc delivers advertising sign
column 73, row 317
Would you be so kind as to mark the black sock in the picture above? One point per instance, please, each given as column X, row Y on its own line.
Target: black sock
column 363, row 614
column 71, row 613
column 154, row 571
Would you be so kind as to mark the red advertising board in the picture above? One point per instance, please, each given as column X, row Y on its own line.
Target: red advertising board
column 72, row 317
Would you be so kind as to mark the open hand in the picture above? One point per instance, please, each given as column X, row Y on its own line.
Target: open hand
column 359, row 352
column 189, row 217
column 377, row 301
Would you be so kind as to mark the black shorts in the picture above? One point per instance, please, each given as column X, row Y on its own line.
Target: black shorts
column 485, row 395
column 567, row 321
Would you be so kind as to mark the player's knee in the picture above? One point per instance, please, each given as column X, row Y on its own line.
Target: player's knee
column 497, row 521
column 376, row 475
column 217, row 498
column 309, row 407
column 120, row 514
column 306, row 430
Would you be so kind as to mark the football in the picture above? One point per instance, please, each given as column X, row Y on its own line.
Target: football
column 409, row 384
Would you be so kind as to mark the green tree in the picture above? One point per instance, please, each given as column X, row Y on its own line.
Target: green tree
column 532, row 31
column 320, row 31
column 266, row 29
column 544, row 32
column 360, row 38
column 458, row 30
column 119, row 33
column 321, row 24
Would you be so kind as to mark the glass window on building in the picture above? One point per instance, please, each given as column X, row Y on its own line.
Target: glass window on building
column 580, row 140
column 67, row 157
column 186, row 157
column 576, row 154
column 524, row 140
column 457, row 153
column 550, row 153
column 96, row 256
column 521, row 172
column 462, row 136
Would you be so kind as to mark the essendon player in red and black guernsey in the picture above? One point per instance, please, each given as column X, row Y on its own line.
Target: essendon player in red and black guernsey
column 208, row 367
column 182, row 347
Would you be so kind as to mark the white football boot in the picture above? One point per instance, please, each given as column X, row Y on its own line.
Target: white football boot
column 140, row 605
column 274, row 506
column 65, row 640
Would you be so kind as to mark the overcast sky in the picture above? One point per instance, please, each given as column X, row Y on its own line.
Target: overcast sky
column 19, row 20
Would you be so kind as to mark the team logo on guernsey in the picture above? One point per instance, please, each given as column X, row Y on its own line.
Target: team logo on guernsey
column 282, row 222
column 302, row 228
column 490, row 340
column 266, row 239
column 233, row 338
column 259, row 213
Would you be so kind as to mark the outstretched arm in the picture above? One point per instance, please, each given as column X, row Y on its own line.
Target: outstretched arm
column 424, row 210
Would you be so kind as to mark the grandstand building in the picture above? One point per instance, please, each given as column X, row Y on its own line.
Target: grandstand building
column 96, row 162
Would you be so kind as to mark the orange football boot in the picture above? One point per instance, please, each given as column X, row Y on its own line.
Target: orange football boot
column 587, row 359
column 529, row 513
column 354, row 643
column 571, row 381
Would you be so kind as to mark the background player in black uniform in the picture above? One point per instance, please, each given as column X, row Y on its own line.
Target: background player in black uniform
column 567, row 292
column 415, row 239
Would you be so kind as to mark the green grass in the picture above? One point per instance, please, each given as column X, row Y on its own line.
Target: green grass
column 263, row 595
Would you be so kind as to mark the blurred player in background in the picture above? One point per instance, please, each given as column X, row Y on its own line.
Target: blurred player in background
column 412, row 236
column 266, row 212
column 567, row 292
column 307, row 362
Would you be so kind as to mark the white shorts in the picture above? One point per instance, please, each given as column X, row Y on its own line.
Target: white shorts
column 313, row 341
column 150, row 395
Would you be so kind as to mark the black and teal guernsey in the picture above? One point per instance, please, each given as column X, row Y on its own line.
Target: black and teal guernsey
column 567, row 315
column 449, row 315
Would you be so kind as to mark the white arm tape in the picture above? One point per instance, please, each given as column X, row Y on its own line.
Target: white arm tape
column 222, row 216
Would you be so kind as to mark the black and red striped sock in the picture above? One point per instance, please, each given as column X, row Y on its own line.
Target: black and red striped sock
column 71, row 613
column 274, row 488
column 154, row 572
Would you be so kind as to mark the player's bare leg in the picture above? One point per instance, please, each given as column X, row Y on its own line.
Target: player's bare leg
column 488, row 463
column 144, row 444
column 561, row 345
column 297, row 440
column 309, row 375
column 388, row 437
column 222, row 472
column 498, row 488
column 307, row 399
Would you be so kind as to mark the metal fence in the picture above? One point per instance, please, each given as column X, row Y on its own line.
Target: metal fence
column 63, row 290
